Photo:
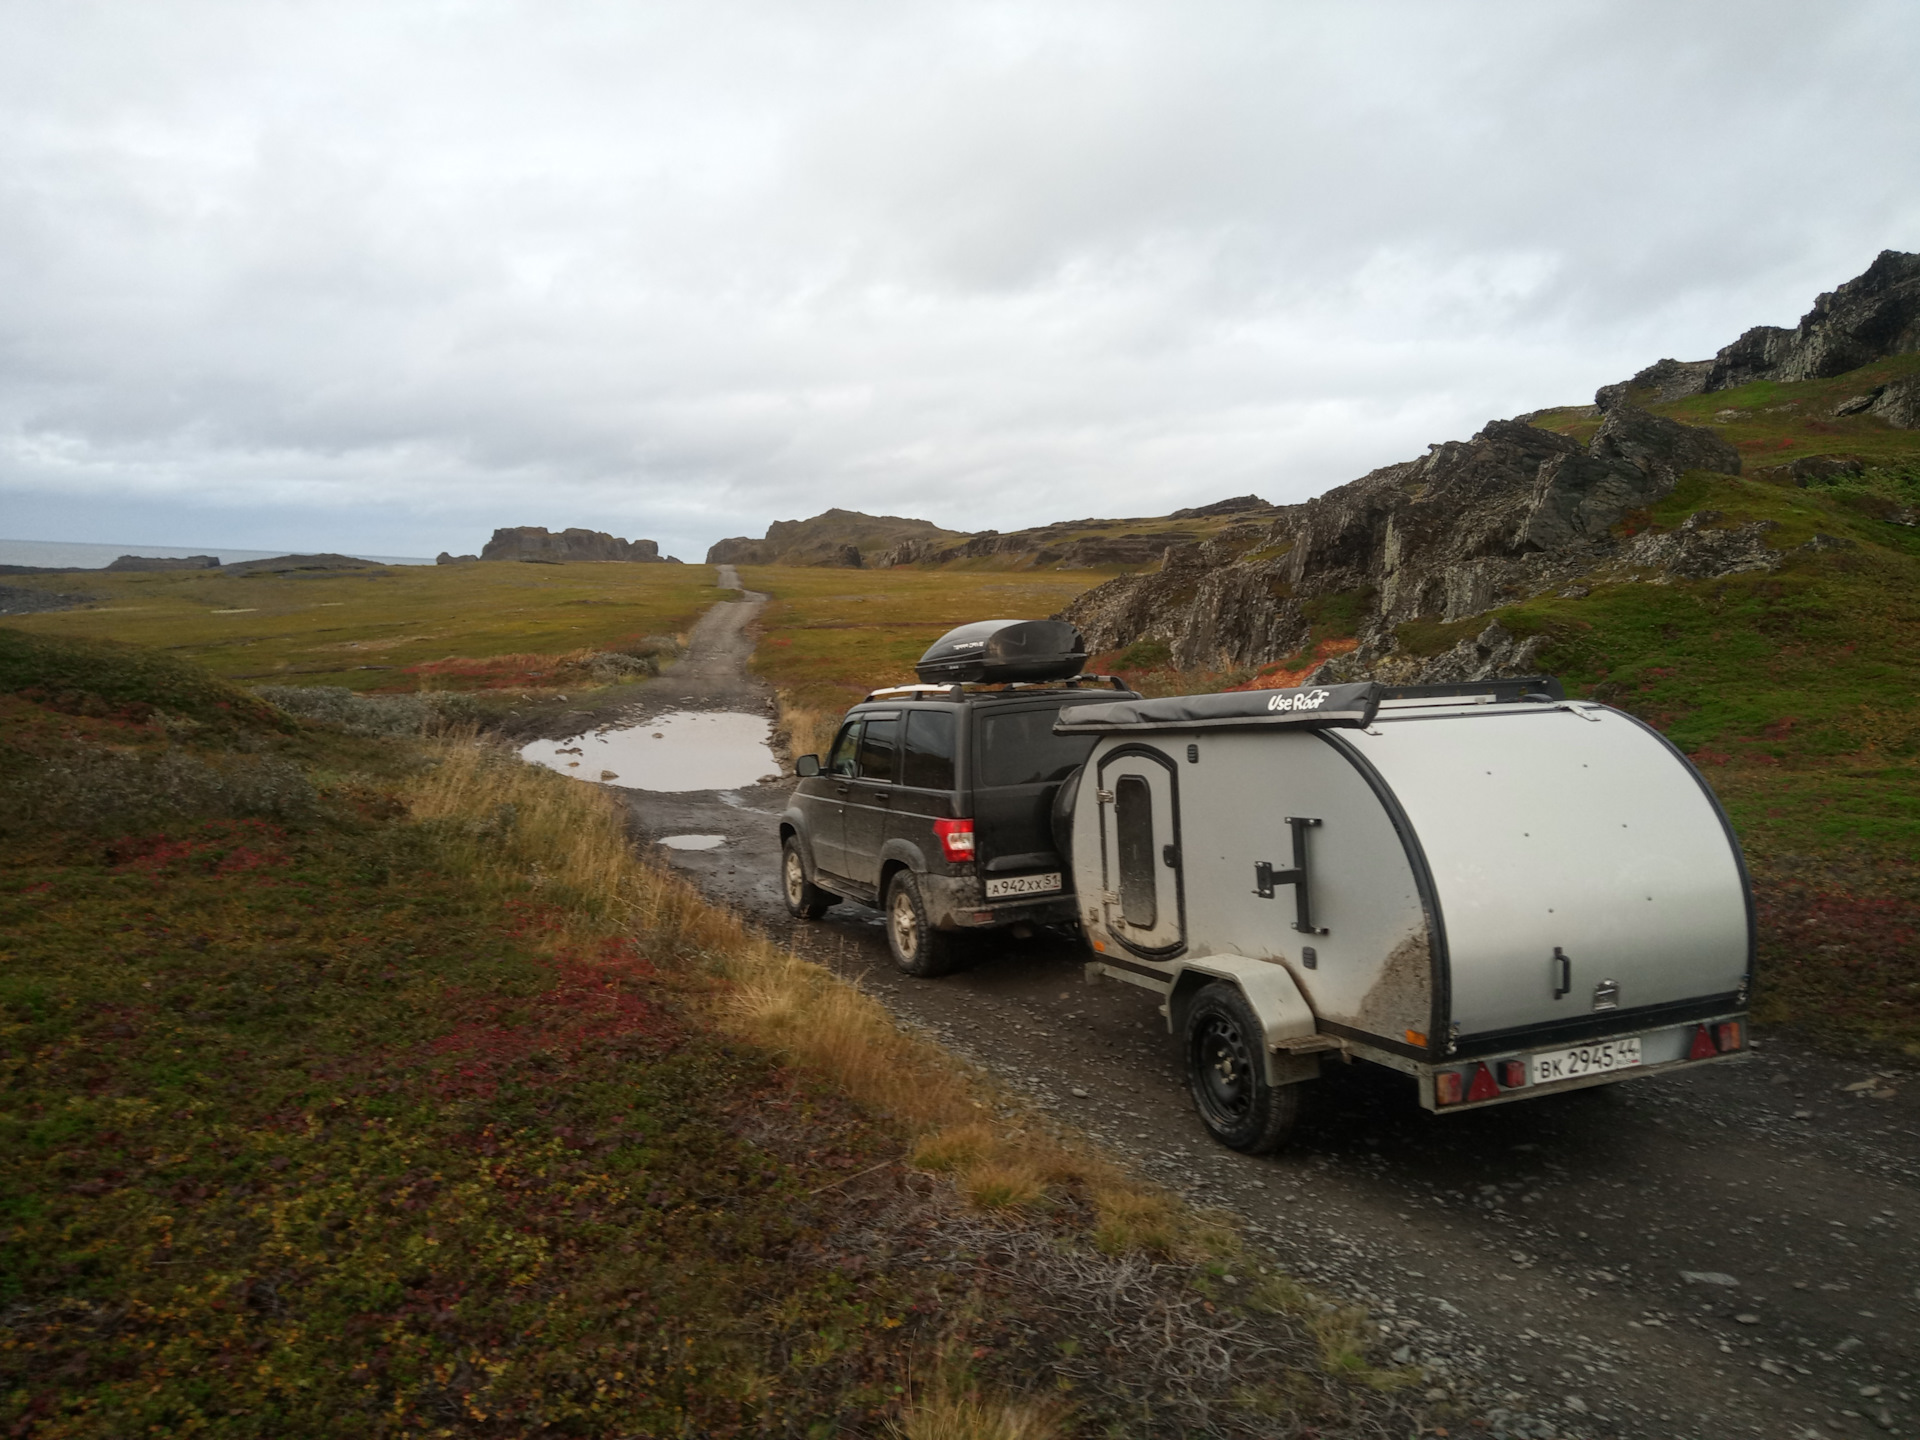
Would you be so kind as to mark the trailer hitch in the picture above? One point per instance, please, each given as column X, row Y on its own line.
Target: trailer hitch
column 1265, row 878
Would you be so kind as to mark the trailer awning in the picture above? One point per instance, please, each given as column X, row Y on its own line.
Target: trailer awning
column 1309, row 706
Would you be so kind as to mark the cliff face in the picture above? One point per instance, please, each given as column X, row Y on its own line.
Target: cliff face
column 1517, row 511
column 1873, row 315
column 1469, row 526
column 536, row 542
column 833, row 537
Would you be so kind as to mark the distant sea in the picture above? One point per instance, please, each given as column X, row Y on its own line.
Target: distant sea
column 65, row 555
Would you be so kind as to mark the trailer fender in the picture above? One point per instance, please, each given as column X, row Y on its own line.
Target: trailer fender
column 1275, row 997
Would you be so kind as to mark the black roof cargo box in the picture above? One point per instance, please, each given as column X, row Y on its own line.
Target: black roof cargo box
column 993, row 651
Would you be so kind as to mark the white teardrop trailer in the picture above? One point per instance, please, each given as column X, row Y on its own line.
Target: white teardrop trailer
column 1498, row 891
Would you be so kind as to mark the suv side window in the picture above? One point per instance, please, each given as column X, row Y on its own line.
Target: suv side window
column 878, row 744
column 840, row 758
column 928, row 758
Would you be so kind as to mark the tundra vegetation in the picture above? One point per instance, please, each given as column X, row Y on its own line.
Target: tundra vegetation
column 365, row 1081
column 831, row 635
column 483, row 626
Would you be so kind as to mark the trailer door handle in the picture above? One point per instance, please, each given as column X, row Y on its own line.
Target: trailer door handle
column 1265, row 878
column 1170, row 856
column 1564, row 986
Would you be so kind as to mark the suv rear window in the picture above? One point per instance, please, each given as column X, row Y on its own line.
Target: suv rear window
column 1018, row 747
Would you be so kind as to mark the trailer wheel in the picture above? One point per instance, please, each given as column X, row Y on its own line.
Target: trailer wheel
column 917, row 947
column 1227, row 1074
column 805, row 900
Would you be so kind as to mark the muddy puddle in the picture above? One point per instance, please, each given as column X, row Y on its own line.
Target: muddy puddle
column 686, row 750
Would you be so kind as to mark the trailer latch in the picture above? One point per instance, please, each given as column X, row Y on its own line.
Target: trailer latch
column 1265, row 877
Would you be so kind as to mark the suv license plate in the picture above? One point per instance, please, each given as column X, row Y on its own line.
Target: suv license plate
column 1581, row 1060
column 1023, row 885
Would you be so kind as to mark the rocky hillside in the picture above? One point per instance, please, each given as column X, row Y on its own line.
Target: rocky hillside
column 1081, row 544
column 833, row 537
column 1408, row 573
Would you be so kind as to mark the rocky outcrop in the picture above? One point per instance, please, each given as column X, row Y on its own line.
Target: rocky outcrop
column 1897, row 402
column 843, row 538
column 1470, row 526
column 163, row 562
column 1238, row 505
column 1872, row 316
column 536, row 542
column 445, row 558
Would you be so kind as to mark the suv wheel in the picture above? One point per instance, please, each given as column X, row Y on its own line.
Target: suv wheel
column 1226, row 1073
column 805, row 900
column 917, row 947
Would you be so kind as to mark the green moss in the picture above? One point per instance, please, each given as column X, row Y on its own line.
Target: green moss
column 1430, row 635
column 1337, row 616
column 1144, row 655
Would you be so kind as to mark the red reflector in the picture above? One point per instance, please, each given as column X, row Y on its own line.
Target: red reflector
column 1727, row 1036
column 1513, row 1074
column 1702, row 1048
column 1483, row 1087
column 956, row 839
column 1446, row 1088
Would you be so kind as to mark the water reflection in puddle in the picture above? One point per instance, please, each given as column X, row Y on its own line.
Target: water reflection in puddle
column 687, row 750
column 693, row 842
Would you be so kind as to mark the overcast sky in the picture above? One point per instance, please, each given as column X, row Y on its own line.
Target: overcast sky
column 384, row 276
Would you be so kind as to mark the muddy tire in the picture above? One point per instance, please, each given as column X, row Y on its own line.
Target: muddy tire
column 1226, row 1073
column 918, row 949
column 805, row 900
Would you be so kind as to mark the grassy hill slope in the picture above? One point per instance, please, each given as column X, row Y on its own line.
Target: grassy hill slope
column 385, row 628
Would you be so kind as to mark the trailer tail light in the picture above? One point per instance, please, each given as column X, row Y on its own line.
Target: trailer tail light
column 1702, row 1047
column 1727, row 1036
column 956, row 840
column 1483, row 1087
column 1446, row 1088
column 1513, row 1074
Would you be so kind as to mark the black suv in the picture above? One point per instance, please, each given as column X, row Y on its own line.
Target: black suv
column 936, row 804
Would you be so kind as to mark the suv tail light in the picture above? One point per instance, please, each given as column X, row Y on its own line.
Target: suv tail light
column 956, row 840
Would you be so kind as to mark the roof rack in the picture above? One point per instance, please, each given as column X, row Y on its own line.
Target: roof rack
column 961, row 691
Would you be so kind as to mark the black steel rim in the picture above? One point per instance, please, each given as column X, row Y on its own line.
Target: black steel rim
column 1223, row 1070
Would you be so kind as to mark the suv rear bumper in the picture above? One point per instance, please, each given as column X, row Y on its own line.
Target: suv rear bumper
column 956, row 902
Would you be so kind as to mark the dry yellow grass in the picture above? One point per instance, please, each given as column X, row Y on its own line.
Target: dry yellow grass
column 976, row 1417
column 519, row 822
column 804, row 729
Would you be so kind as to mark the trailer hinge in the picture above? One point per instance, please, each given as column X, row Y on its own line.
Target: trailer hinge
column 1103, row 797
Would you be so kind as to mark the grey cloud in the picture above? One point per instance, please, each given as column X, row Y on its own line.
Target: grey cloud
column 397, row 273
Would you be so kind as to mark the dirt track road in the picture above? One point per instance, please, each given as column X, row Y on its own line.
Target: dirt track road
column 1731, row 1253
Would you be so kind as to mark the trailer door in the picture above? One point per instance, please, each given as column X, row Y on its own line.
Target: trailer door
column 1144, row 897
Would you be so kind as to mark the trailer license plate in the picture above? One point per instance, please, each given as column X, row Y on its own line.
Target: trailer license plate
column 1023, row 885
column 1581, row 1060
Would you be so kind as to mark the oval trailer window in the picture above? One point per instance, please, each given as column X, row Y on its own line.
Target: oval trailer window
column 1133, row 823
